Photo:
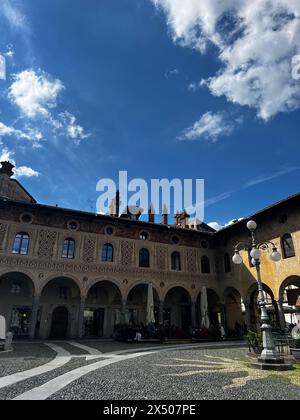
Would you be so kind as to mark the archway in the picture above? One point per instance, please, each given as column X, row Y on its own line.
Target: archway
column 136, row 306
column 16, row 298
column 102, row 309
column 289, row 296
column 58, row 293
column 253, row 310
column 59, row 323
column 177, row 313
column 234, row 318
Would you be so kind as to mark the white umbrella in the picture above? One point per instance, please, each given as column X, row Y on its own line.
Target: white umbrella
column 2, row 328
column 204, row 309
column 150, row 305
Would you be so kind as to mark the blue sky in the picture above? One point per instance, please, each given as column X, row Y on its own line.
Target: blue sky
column 118, row 88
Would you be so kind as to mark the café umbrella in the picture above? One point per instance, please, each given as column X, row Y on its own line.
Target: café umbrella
column 204, row 309
column 150, row 305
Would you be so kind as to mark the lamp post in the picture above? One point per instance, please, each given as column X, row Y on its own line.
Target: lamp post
column 269, row 359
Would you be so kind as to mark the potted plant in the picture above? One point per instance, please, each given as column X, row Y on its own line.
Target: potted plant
column 296, row 349
column 254, row 341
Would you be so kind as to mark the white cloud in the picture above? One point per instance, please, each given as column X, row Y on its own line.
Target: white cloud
column 35, row 93
column 210, row 127
column 19, row 171
column 30, row 134
column 268, row 177
column 255, row 42
column 215, row 225
column 13, row 15
column 24, row 171
column 73, row 130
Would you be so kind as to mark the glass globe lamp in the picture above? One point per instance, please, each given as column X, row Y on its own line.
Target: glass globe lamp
column 252, row 225
column 237, row 259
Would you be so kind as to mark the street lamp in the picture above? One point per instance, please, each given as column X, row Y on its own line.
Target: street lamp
column 269, row 359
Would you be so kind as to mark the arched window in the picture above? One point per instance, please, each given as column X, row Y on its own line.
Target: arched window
column 205, row 265
column 288, row 246
column 144, row 258
column 21, row 244
column 227, row 263
column 69, row 249
column 107, row 253
column 175, row 261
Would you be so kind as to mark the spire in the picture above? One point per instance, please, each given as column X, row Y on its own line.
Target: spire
column 114, row 207
column 151, row 214
column 165, row 214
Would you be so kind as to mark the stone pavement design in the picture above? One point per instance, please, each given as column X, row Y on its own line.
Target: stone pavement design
column 103, row 370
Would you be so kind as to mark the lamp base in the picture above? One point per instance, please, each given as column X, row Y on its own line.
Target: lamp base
column 279, row 365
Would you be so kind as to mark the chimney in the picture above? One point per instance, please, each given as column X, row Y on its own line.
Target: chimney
column 151, row 214
column 115, row 205
column 165, row 215
column 7, row 169
column 181, row 219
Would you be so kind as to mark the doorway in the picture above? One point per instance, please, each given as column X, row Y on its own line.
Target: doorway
column 59, row 325
column 94, row 322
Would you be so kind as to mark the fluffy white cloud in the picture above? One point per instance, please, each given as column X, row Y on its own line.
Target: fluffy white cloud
column 255, row 42
column 210, row 127
column 30, row 134
column 19, row 171
column 35, row 93
column 26, row 172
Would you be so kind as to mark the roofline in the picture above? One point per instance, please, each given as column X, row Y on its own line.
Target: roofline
column 265, row 209
column 24, row 189
column 109, row 219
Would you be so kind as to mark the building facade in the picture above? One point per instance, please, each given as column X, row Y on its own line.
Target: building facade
column 66, row 273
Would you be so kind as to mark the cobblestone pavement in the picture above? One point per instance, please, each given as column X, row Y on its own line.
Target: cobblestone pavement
column 111, row 371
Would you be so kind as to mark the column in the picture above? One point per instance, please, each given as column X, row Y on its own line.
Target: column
column 161, row 313
column 281, row 317
column 248, row 316
column 223, row 315
column 123, row 311
column 193, row 314
column 34, row 314
column 81, row 317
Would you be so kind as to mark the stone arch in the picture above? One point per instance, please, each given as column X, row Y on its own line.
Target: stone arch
column 89, row 284
column 140, row 282
column 289, row 300
column 289, row 281
column 252, row 308
column 58, row 291
column 103, row 307
column 233, row 311
column 178, row 311
column 174, row 285
column 136, row 303
column 49, row 279
column 17, row 290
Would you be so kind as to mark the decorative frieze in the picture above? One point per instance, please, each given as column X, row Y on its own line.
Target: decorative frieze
column 23, row 262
